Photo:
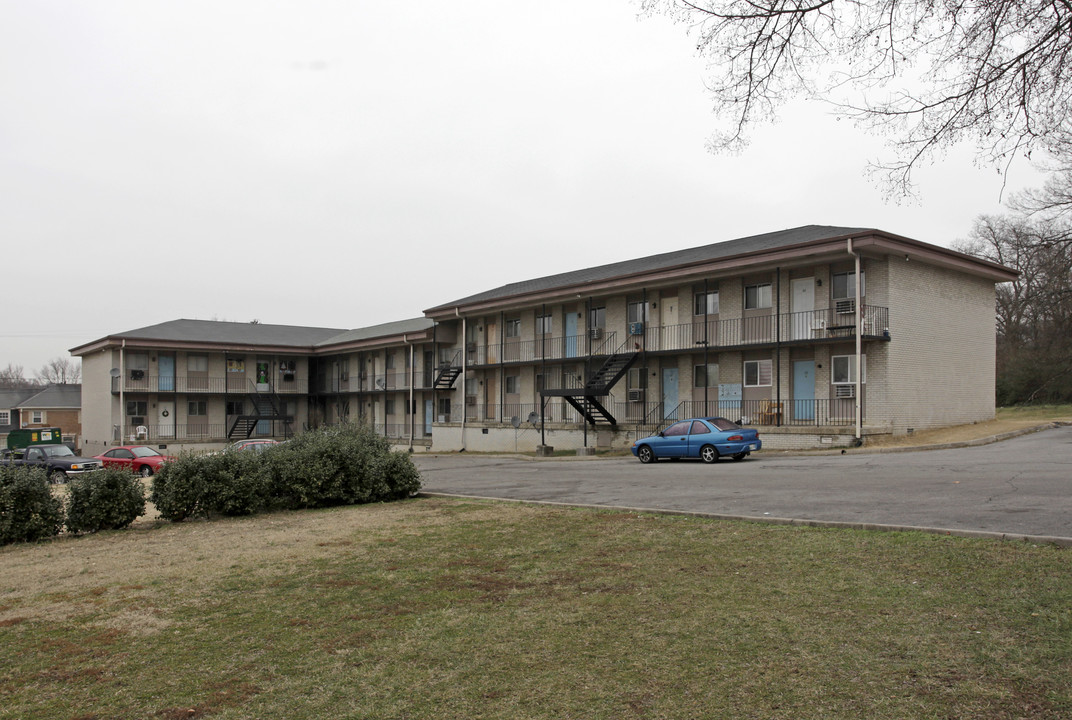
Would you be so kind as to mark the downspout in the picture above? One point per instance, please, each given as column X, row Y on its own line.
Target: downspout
column 543, row 371
column 859, row 344
column 778, row 344
column 465, row 372
column 412, row 377
column 122, row 382
column 706, row 360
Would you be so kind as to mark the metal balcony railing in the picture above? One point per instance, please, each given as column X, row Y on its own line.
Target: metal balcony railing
column 514, row 350
column 761, row 330
column 192, row 384
column 798, row 413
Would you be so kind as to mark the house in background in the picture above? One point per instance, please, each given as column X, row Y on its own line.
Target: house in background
column 9, row 409
column 51, row 406
column 821, row 335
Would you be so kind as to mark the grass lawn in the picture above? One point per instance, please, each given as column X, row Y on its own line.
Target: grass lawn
column 439, row 608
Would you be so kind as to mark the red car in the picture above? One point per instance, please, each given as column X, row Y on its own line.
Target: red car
column 135, row 458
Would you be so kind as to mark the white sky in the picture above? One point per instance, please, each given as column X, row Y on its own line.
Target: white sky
column 347, row 163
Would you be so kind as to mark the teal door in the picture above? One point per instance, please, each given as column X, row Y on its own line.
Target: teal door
column 428, row 414
column 166, row 381
column 804, row 390
column 571, row 334
column 670, row 393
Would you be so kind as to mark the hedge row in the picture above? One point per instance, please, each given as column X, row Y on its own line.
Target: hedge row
column 102, row 500
column 338, row 465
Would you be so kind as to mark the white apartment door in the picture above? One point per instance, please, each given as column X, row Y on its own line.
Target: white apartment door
column 802, row 307
column 165, row 421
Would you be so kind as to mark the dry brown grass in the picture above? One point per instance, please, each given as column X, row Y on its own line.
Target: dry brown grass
column 1007, row 420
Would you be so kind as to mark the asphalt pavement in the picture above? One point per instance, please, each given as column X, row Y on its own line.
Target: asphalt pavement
column 1019, row 488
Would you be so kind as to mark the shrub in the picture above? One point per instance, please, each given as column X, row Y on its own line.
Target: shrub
column 28, row 511
column 230, row 483
column 339, row 465
column 104, row 500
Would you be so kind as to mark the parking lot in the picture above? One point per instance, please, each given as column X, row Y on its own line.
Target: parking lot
column 1019, row 487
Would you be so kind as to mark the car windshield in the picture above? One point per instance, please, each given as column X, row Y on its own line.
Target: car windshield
column 144, row 452
column 723, row 424
column 57, row 451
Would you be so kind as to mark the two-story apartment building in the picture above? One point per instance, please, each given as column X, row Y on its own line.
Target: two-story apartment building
column 818, row 334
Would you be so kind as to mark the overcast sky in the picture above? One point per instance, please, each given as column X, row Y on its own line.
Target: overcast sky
column 343, row 164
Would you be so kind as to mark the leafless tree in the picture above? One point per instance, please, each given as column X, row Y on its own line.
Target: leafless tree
column 1034, row 313
column 928, row 73
column 13, row 378
column 60, row 370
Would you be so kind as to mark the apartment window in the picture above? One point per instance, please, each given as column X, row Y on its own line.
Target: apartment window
column 597, row 317
column 197, row 408
column 236, row 407
column 705, row 375
column 37, row 417
column 757, row 373
column 706, row 303
column 513, row 328
column 544, row 325
column 757, row 297
column 389, row 405
column 197, row 363
column 844, row 285
column 843, row 369
column 513, row 384
column 137, row 407
column 5, row 417
column 637, row 378
column 389, row 362
column 137, row 365
column 636, row 312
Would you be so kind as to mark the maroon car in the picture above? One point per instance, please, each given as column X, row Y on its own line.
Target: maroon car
column 136, row 458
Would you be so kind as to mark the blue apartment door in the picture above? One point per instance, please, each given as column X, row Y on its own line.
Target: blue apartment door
column 428, row 415
column 670, row 393
column 166, row 367
column 571, row 334
column 804, row 390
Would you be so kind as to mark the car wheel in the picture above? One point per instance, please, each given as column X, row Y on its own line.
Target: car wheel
column 146, row 471
column 740, row 456
column 645, row 454
column 58, row 476
column 708, row 454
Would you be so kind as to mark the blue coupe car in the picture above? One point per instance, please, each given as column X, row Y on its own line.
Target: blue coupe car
column 704, row 438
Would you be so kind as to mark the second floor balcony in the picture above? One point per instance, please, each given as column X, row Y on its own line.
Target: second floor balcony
column 139, row 382
column 825, row 325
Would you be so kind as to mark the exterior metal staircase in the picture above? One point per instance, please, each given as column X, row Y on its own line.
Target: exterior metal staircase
column 447, row 372
column 586, row 399
column 266, row 407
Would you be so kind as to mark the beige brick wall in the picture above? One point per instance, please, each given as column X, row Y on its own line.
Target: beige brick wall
column 940, row 364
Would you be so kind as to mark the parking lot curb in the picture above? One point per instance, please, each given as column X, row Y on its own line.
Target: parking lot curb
column 769, row 520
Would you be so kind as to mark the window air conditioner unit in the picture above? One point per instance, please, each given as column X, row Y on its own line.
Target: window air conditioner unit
column 636, row 328
column 470, row 347
column 636, row 395
column 845, row 307
column 845, row 391
column 137, row 374
column 595, row 333
column 470, row 399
